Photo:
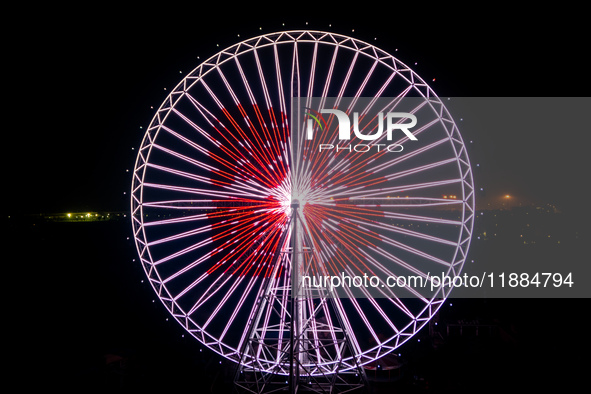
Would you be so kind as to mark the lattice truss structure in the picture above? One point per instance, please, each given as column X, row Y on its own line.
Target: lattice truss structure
column 212, row 191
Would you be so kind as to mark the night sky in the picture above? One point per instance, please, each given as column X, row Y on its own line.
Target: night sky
column 80, row 84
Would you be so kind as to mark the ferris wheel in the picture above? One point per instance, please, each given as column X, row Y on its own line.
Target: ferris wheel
column 228, row 198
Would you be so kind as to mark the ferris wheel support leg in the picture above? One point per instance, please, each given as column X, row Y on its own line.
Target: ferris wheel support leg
column 295, row 360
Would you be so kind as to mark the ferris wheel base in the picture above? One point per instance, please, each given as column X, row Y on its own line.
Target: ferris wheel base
column 266, row 382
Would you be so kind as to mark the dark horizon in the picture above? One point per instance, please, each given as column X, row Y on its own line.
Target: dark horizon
column 78, row 137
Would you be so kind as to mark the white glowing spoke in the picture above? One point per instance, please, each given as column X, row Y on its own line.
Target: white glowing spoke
column 363, row 192
column 204, row 192
column 213, row 289
column 227, row 296
column 406, row 156
column 415, row 251
column 404, row 231
column 186, row 140
column 188, row 268
column 184, row 158
column 396, row 260
column 182, row 219
column 419, row 218
column 183, row 251
column 194, row 204
column 184, row 234
column 386, row 203
column 184, row 174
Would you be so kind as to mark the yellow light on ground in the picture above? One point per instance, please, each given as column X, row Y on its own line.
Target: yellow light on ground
column 69, row 215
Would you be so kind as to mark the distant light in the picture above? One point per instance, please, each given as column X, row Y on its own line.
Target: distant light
column 507, row 196
column 69, row 215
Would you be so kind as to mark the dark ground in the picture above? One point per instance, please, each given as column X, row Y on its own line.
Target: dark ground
column 88, row 321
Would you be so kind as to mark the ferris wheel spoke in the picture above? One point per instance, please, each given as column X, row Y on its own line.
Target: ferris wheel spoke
column 176, row 220
column 385, row 203
column 414, row 153
column 352, row 176
column 183, row 251
column 396, row 297
column 360, row 192
column 276, row 137
column 347, row 78
column 368, row 179
column 217, row 284
column 187, row 268
column 396, row 229
column 330, row 73
column 231, row 169
column 203, row 192
column 230, row 292
column 181, row 235
column 259, row 153
column 347, row 235
column 232, row 145
column 199, row 204
column 386, row 292
column 252, row 178
column 261, row 123
column 374, row 209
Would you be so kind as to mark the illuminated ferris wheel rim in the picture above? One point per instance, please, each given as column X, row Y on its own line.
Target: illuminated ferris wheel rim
column 217, row 61
column 303, row 36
